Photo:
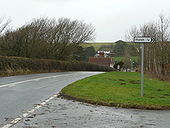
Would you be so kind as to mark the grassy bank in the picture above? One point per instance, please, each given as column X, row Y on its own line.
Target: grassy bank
column 120, row 89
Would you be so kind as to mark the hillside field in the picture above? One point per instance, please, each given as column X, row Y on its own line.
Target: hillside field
column 97, row 46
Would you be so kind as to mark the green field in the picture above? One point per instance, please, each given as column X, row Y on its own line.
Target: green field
column 97, row 46
column 122, row 90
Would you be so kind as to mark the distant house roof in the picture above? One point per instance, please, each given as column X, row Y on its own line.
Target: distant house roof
column 101, row 61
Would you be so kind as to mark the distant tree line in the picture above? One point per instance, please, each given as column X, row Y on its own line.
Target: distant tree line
column 157, row 54
column 46, row 39
column 121, row 48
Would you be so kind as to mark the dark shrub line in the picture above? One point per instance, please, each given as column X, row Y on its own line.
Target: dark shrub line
column 20, row 63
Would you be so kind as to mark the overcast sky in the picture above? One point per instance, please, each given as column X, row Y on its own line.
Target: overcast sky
column 111, row 18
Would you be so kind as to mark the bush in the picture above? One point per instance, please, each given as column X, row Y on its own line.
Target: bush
column 44, row 65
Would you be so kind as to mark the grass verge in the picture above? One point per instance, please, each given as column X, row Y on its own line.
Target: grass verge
column 119, row 58
column 24, row 72
column 120, row 89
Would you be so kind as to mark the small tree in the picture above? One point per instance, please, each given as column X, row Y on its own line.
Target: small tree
column 127, row 59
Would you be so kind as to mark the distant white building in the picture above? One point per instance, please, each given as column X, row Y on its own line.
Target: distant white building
column 105, row 53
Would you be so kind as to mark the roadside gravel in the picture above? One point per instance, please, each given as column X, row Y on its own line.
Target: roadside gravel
column 61, row 113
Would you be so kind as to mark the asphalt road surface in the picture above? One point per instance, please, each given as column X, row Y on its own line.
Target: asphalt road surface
column 19, row 94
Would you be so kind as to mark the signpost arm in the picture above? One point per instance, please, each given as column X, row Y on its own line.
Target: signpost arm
column 142, row 69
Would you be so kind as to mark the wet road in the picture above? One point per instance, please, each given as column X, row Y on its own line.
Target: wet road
column 28, row 90
column 20, row 93
column 61, row 113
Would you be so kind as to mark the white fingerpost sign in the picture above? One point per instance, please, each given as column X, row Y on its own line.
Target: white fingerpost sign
column 142, row 40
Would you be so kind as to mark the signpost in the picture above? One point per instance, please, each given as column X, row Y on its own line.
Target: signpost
column 142, row 40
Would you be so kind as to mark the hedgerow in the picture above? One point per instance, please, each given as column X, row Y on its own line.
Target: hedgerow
column 39, row 65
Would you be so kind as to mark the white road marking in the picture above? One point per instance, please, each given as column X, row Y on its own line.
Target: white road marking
column 25, row 114
column 25, row 81
column 7, row 126
column 20, row 117
column 15, row 121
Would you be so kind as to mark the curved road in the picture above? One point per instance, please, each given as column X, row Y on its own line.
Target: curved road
column 19, row 94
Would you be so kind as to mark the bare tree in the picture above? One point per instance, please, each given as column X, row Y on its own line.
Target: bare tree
column 3, row 24
column 133, row 32
column 67, row 35
column 47, row 38
column 157, row 54
column 163, row 27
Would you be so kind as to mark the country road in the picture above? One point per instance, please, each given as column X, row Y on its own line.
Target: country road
column 19, row 94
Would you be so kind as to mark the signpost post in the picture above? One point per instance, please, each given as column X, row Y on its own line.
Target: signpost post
column 142, row 69
column 142, row 40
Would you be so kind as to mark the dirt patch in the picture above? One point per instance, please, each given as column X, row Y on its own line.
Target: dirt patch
column 166, row 94
column 121, row 80
column 122, row 83
column 159, row 90
column 134, row 81
column 151, row 97
column 162, row 97
column 111, row 79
